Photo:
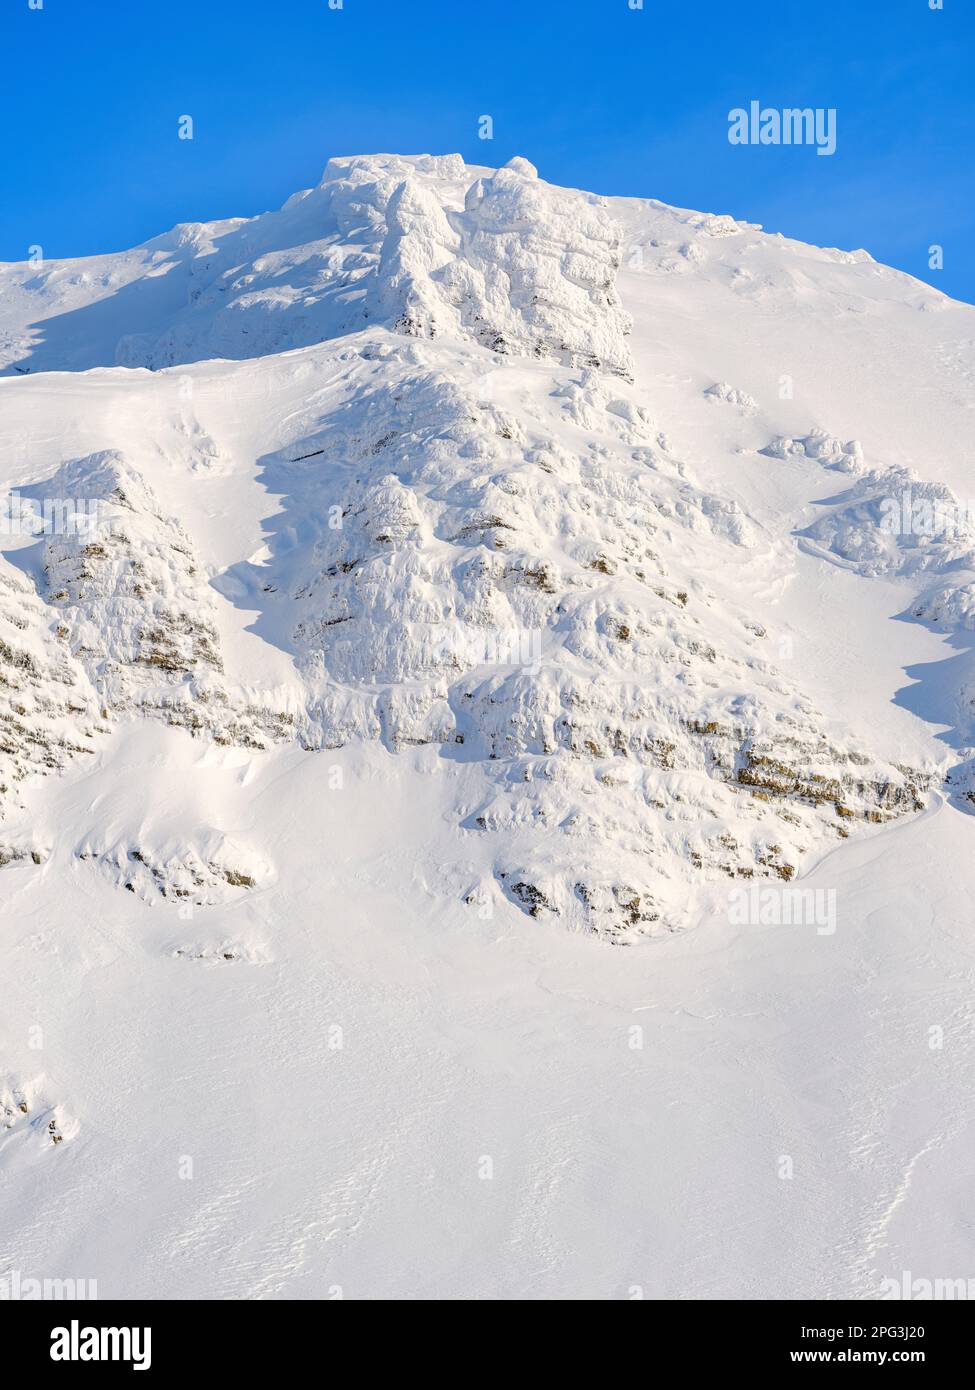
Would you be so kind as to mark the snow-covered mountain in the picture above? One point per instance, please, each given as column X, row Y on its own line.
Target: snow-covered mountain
column 406, row 596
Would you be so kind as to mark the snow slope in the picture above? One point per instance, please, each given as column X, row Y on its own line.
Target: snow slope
column 470, row 575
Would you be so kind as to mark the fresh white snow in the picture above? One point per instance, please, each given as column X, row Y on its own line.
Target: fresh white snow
column 491, row 591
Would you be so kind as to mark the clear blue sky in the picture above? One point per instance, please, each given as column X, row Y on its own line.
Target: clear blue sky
column 596, row 94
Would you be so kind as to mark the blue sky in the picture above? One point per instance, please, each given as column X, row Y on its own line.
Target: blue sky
column 596, row 94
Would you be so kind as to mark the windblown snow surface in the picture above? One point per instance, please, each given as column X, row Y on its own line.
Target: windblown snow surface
column 489, row 591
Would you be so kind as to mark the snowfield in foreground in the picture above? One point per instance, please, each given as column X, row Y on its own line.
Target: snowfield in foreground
column 408, row 599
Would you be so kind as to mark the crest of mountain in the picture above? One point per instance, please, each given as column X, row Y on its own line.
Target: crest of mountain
column 488, row 538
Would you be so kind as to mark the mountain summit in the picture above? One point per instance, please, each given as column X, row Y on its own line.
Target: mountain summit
column 450, row 547
column 486, row 538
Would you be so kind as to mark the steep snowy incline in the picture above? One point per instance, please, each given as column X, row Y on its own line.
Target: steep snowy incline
column 489, row 541
column 846, row 391
column 447, row 575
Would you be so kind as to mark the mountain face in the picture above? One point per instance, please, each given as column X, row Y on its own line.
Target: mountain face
column 544, row 553
column 486, row 541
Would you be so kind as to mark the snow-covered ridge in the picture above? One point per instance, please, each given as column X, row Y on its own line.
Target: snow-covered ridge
column 49, row 711
column 480, row 533
column 620, row 740
column 513, row 263
column 136, row 608
column 406, row 673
